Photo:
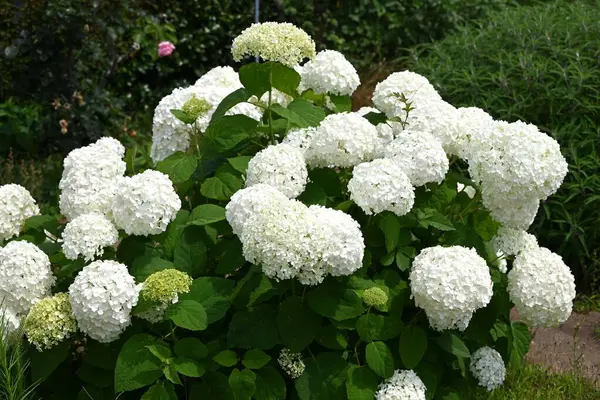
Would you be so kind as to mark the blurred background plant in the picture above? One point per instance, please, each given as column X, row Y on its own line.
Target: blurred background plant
column 540, row 64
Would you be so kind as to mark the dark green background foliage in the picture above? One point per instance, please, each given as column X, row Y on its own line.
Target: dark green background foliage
column 542, row 65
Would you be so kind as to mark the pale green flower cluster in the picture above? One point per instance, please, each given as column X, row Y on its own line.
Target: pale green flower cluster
column 291, row 363
column 274, row 41
column 196, row 107
column 163, row 285
column 375, row 296
column 50, row 321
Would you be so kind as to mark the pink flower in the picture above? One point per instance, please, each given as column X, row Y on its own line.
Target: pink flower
column 165, row 49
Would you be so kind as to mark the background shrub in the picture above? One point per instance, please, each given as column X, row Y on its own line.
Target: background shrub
column 540, row 64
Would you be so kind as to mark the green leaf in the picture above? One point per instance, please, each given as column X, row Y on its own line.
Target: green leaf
column 188, row 314
column 221, row 187
column 136, row 366
column 402, row 261
column 227, row 132
column 341, row 103
column 171, row 374
column 324, row 378
column 231, row 256
column 453, row 345
column 190, row 255
column 160, row 391
column 206, row 214
column 380, row 359
column 413, row 344
column 254, row 328
column 485, row 226
column 43, row 363
column 285, row 79
column 188, row 367
column 179, row 166
column 214, row 386
column 231, row 100
column 332, row 300
column 332, row 338
column 255, row 359
column 269, row 384
column 377, row 327
column 191, row 348
column 160, row 351
column 174, row 231
column 298, row 325
column 183, row 116
column 376, row 118
column 521, row 338
column 361, row 383
column 41, row 222
column 226, row 358
column 240, row 163
column 145, row 266
column 242, row 384
column 313, row 194
column 213, row 293
column 256, row 78
column 434, row 218
column 310, row 114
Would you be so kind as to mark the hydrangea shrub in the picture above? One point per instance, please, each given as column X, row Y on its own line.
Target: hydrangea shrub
column 283, row 246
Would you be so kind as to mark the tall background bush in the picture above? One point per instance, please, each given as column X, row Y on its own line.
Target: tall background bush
column 540, row 64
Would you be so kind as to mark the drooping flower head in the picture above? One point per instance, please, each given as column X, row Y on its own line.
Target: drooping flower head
column 50, row 321
column 404, row 384
column 274, row 41
column 329, row 72
column 87, row 236
column 488, row 368
column 16, row 206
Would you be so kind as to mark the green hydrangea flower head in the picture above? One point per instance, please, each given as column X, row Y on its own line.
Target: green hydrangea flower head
column 196, row 107
column 375, row 296
column 274, row 41
column 50, row 321
column 163, row 286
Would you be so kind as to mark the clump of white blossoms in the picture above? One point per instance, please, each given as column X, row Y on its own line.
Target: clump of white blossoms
column 145, row 203
column 381, row 185
column 25, row 276
column 291, row 363
column 281, row 166
column 330, row 73
column 90, row 177
column 50, row 321
column 300, row 138
column 252, row 201
column 450, row 284
column 10, row 322
column 542, row 287
column 274, row 41
column 470, row 122
column 170, row 135
column 16, row 206
column 510, row 242
column 467, row 189
column 342, row 140
column 87, row 236
column 102, row 296
column 414, row 87
column 404, row 384
column 161, row 289
column 420, row 155
column 488, row 368
column 438, row 118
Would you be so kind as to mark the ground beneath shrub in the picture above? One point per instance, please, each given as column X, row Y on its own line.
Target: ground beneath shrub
column 571, row 347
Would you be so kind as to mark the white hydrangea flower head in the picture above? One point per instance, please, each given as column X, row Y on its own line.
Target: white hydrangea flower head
column 420, row 155
column 87, row 236
column 25, row 276
column 10, row 322
column 511, row 241
column 281, row 166
column 90, row 178
column 16, row 206
column 102, row 296
column 381, row 185
column 542, row 287
column 342, row 140
column 450, row 284
column 339, row 242
column 220, row 76
column 367, row 110
column 470, row 122
column 330, row 73
column 300, row 138
column 251, row 201
column 277, row 97
column 274, row 41
column 145, row 203
column 291, row 363
column 438, row 118
column 403, row 385
column 501, row 262
column 50, row 321
column 513, row 210
column 414, row 87
column 469, row 190
column 488, row 368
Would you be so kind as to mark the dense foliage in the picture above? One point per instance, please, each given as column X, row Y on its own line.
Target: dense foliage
column 284, row 247
column 538, row 64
